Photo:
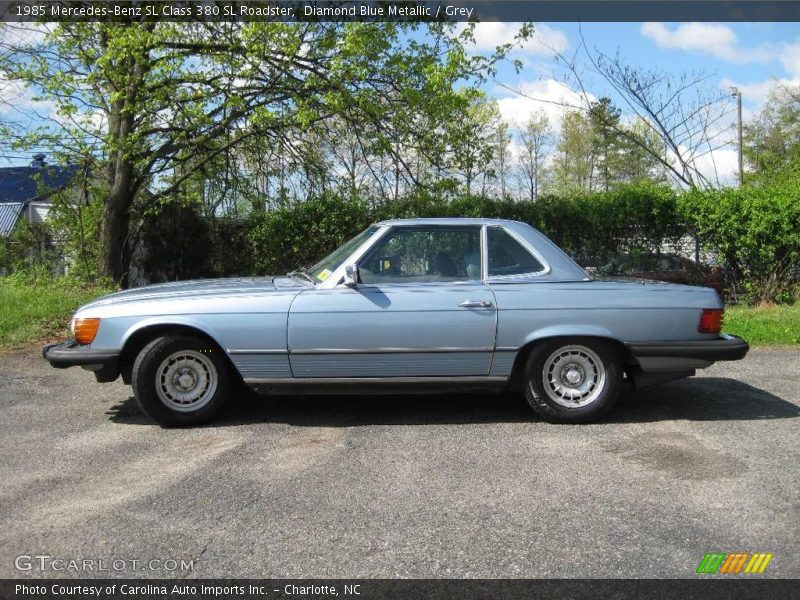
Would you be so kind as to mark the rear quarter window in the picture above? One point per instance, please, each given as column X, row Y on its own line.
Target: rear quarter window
column 508, row 257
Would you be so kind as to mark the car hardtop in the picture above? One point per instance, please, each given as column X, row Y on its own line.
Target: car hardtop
column 449, row 221
column 558, row 265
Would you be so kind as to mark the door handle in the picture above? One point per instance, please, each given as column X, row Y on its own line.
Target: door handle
column 475, row 304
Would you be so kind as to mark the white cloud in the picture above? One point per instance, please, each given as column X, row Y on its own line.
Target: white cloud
column 720, row 165
column 15, row 97
column 545, row 39
column 717, row 40
column 752, row 93
column 790, row 59
column 551, row 97
column 755, row 94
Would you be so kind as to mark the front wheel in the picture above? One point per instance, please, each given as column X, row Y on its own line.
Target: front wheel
column 572, row 380
column 180, row 380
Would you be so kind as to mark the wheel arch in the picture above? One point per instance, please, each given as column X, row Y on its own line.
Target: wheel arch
column 516, row 380
column 143, row 333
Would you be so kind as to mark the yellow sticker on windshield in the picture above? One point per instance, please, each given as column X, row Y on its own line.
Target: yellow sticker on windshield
column 324, row 275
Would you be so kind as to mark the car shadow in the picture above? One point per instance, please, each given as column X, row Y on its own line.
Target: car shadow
column 702, row 399
column 696, row 399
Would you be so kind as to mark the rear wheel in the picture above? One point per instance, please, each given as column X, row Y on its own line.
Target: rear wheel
column 572, row 380
column 180, row 380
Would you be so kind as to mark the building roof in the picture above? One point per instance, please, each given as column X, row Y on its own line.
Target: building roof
column 22, row 184
column 9, row 213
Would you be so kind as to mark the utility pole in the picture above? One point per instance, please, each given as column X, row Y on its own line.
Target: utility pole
column 738, row 94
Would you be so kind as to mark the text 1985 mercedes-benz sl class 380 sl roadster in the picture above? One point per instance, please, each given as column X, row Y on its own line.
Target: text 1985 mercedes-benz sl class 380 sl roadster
column 406, row 305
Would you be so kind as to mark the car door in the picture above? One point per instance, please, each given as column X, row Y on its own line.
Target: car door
column 420, row 309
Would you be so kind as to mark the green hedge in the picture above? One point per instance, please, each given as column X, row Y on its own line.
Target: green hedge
column 300, row 235
column 588, row 226
column 754, row 231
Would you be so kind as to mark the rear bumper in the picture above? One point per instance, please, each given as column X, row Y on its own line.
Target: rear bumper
column 726, row 347
column 104, row 363
column 660, row 357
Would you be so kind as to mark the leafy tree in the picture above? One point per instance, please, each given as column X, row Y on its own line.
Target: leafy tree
column 684, row 112
column 607, row 144
column 637, row 162
column 772, row 140
column 574, row 163
column 502, row 156
column 622, row 153
column 536, row 139
column 472, row 137
column 154, row 104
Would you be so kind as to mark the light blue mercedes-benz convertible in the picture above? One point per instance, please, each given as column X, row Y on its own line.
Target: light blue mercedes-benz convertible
column 407, row 305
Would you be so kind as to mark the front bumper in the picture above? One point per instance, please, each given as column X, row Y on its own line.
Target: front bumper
column 104, row 363
column 660, row 357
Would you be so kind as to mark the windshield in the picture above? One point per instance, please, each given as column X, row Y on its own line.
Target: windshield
column 323, row 269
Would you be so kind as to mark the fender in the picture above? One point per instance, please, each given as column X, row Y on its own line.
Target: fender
column 568, row 330
column 177, row 320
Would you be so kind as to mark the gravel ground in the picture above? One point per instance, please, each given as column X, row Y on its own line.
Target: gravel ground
column 439, row 486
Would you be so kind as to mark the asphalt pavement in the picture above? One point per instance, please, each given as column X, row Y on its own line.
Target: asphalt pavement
column 419, row 486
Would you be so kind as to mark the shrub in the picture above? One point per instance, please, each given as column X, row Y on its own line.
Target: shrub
column 756, row 231
column 303, row 233
column 175, row 244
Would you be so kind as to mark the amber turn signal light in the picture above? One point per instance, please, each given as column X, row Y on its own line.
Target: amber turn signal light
column 710, row 320
column 84, row 330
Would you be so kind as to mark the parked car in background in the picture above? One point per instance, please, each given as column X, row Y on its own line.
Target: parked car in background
column 406, row 305
column 671, row 268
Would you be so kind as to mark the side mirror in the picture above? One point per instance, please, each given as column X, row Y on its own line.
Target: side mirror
column 351, row 275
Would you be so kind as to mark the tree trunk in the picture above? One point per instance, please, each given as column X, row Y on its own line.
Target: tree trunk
column 115, row 223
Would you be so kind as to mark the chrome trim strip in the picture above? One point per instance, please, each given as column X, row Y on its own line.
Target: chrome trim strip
column 256, row 351
column 389, row 350
column 433, row 350
column 307, row 380
column 484, row 253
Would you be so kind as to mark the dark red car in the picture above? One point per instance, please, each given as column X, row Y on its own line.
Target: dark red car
column 673, row 269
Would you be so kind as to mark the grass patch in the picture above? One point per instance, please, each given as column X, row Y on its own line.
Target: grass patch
column 37, row 309
column 764, row 325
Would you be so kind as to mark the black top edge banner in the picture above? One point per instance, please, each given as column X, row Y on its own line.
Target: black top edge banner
column 403, row 589
column 374, row 10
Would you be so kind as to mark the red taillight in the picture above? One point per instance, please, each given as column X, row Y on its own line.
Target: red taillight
column 710, row 320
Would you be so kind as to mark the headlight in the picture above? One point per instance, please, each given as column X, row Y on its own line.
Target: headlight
column 84, row 330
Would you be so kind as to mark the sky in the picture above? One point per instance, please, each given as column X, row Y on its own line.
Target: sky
column 750, row 56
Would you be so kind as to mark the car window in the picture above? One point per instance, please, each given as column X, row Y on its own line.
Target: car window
column 508, row 257
column 323, row 269
column 662, row 263
column 675, row 264
column 406, row 255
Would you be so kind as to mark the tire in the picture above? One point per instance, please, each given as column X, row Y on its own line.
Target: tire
column 575, row 380
column 180, row 380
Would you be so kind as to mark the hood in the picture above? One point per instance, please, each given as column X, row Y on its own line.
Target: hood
column 198, row 288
